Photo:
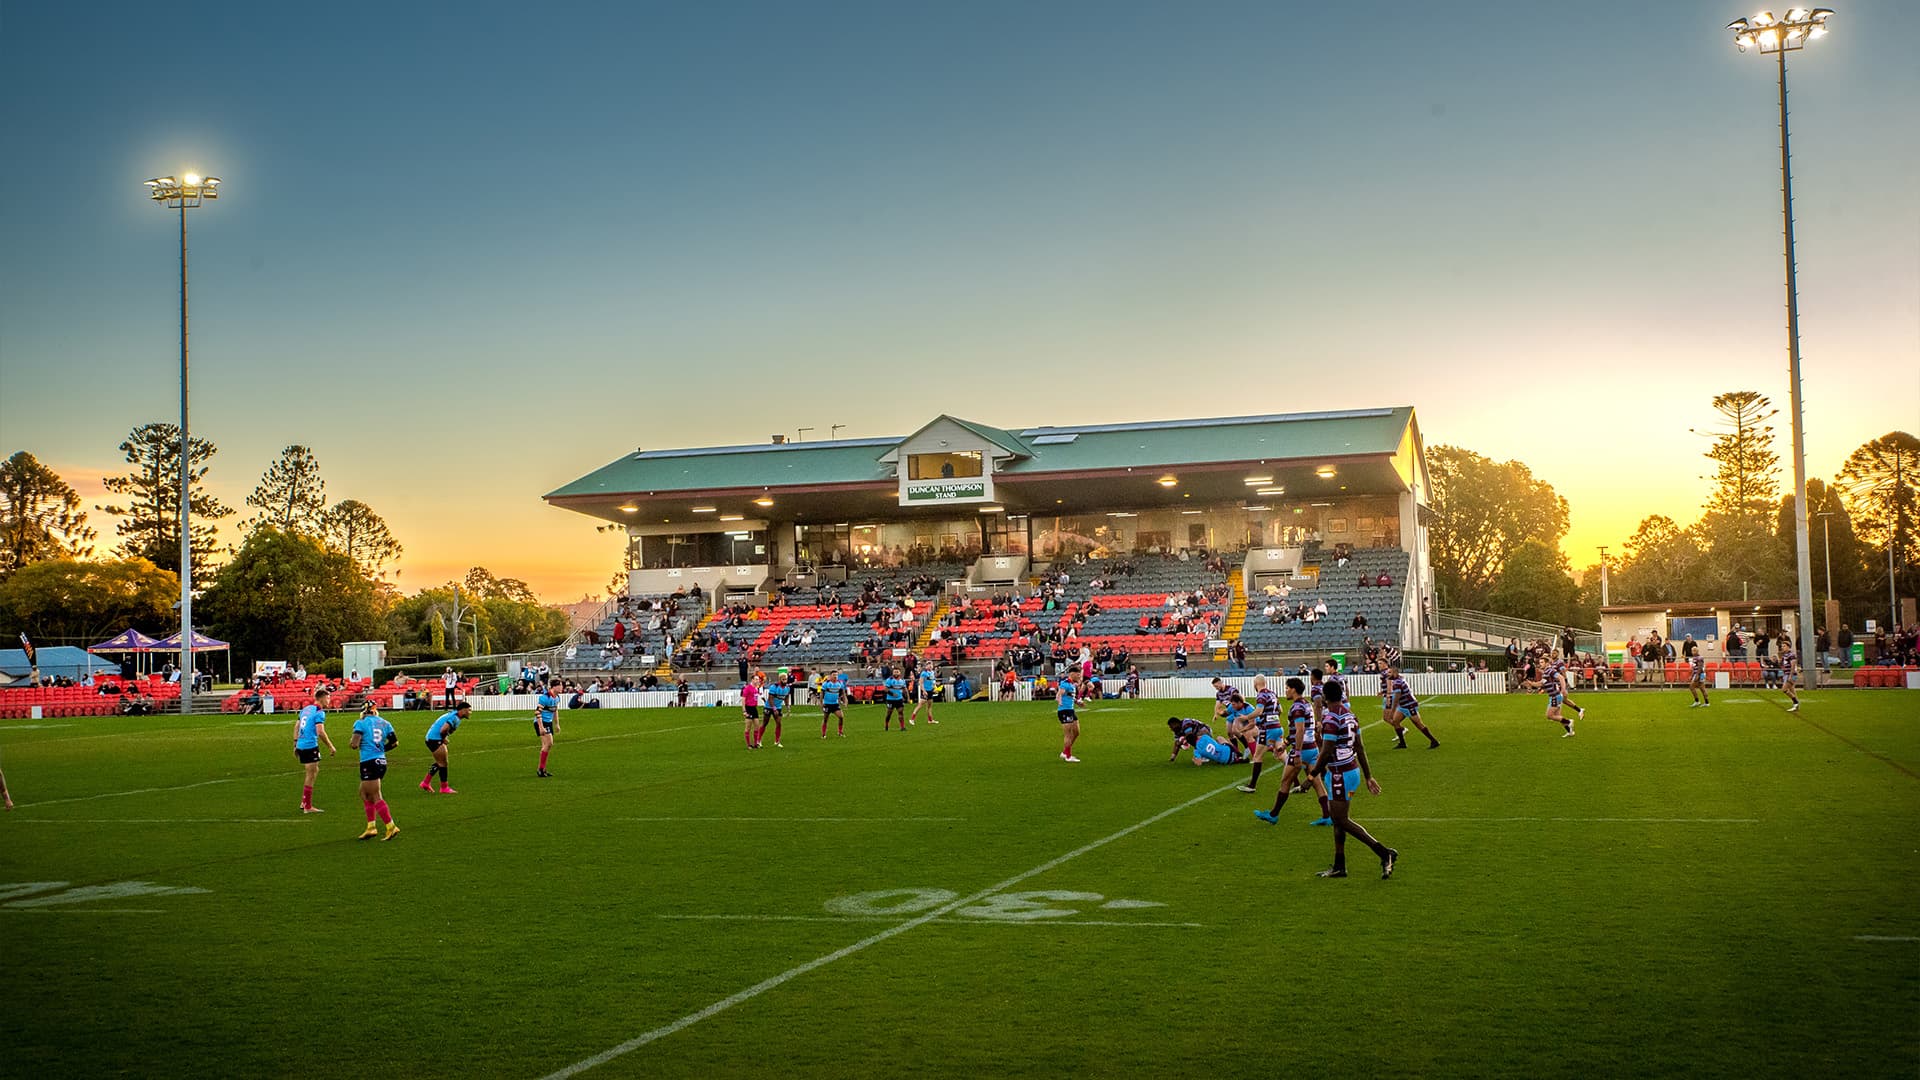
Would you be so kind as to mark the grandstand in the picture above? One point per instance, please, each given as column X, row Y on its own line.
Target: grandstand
column 979, row 523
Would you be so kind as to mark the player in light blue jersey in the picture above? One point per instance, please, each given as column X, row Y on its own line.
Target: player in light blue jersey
column 437, row 735
column 929, row 682
column 1064, row 702
column 545, row 724
column 773, row 709
column 373, row 737
column 833, row 690
column 894, row 689
column 1343, row 762
column 309, row 731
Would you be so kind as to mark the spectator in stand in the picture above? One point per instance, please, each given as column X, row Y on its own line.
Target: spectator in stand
column 1359, row 622
column 1383, row 580
column 1180, row 655
column 1846, row 643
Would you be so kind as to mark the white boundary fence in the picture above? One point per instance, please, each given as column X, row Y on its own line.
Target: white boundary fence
column 1423, row 684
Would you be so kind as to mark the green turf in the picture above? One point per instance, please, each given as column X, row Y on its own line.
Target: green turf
column 523, row 925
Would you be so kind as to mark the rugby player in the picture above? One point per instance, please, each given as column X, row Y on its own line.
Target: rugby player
column 1305, row 750
column 750, row 710
column 1553, row 682
column 776, row 710
column 894, row 689
column 1789, row 673
column 373, row 737
column 1272, row 730
column 1402, row 705
column 1697, row 681
column 1186, row 734
column 545, row 724
column 832, row 689
column 309, row 730
column 1343, row 762
column 929, row 682
column 437, row 735
column 1064, row 702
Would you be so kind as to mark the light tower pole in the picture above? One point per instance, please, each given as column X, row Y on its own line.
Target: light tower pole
column 186, row 192
column 1779, row 36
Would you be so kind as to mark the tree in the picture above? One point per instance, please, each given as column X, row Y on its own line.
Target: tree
column 1834, row 532
column 1662, row 562
column 518, row 625
column 481, row 583
column 40, row 516
column 1484, row 510
column 351, row 528
column 1877, row 482
column 291, row 495
column 1737, row 527
column 1536, row 583
column 67, row 599
column 150, row 528
column 285, row 597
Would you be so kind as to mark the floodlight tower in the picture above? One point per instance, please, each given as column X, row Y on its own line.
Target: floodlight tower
column 186, row 192
column 1777, row 37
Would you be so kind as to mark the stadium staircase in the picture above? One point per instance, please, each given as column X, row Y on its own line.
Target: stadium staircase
column 925, row 637
column 1236, row 615
column 664, row 669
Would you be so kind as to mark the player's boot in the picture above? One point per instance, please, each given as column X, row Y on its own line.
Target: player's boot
column 445, row 790
column 392, row 831
column 372, row 830
column 1386, row 864
column 1331, row 872
column 311, row 810
column 1267, row 816
column 1321, row 821
column 1248, row 788
column 426, row 786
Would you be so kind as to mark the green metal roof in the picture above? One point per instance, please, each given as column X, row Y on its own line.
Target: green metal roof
column 1048, row 449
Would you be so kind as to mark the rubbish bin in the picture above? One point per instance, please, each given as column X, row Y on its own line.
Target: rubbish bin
column 1340, row 658
column 1857, row 656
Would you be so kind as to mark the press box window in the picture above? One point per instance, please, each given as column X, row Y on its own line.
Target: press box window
column 943, row 466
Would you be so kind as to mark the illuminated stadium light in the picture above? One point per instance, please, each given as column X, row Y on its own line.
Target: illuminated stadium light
column 733, row 517
column 705, row 509
column 1768, row 34
column 1257, row 481
column 763, row 501
column 1169, row 481
column 1325, row 472
column 629, row 509
column 1271, row 491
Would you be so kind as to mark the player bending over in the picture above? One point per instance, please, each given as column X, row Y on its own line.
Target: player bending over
column 1186, row 734
column 437, row 735
column 1343, row 764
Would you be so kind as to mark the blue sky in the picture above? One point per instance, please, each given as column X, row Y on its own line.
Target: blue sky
column 471, row 252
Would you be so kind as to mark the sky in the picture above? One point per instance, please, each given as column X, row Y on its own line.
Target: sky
column 469, row 253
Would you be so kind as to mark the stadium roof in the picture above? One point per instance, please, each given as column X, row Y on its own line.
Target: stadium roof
column 1367, row 440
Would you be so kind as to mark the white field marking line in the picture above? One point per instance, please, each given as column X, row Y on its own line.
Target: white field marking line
column 797, row 820
column 165, row 821
column 1601, row 820
column 949, row 921
column 86, row 911
column 30, row 727
column 890, row 932
column 136, row 791
column 1877, row 937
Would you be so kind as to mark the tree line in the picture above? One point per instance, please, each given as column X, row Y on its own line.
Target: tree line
column 1496, row 530
column 305, row 576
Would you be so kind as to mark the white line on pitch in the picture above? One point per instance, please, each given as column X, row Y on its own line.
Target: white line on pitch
column 120, row 794
column 890, row 932
column 949, row 920
column 1877, row 937
column 164, row 821
column 88, row 911
column 794, row 820
column 1604, row 820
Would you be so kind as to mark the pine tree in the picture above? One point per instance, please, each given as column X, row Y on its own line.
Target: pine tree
column 150, row 525
column 291, row 495
column 40, row 516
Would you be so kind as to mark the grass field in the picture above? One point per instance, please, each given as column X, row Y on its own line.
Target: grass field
column 1710, row 893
